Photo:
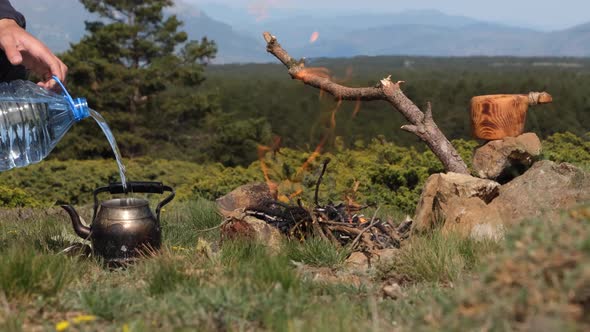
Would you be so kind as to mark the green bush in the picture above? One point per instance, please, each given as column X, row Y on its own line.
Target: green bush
column 15, row 197
column 567, row 147
column 387, row 174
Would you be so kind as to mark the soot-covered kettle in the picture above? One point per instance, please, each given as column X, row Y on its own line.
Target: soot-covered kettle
column 123, row 229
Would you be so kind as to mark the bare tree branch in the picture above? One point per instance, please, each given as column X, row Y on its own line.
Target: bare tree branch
column 422, row 124
column 411, row 129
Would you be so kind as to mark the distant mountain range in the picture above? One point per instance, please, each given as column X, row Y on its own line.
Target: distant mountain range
column 238, row 33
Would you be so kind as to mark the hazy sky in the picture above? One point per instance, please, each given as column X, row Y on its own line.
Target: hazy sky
column 546, row 14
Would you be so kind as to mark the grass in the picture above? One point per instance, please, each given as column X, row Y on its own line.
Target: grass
column 437, row 257
column 317, row 252
column 108, row 303
column 181, row 222
column 538, row 276
column 25, row 273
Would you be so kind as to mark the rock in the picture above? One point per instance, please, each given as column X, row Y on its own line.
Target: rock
column 326, row 275
column 463, row 215
column 251, row 228
column 543, row 191
column 546, row 188
column 502, row 160
column 357, row 262
column 393, row 291
column 243, row 197
column 361, row 262
column 444, row 193
column 383, row 255
column 487, row 231
column 239, row 225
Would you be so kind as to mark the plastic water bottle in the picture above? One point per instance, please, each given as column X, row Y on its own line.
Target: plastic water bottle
column 33, row 120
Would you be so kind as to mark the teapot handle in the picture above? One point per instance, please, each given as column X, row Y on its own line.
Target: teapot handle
column 136, row 187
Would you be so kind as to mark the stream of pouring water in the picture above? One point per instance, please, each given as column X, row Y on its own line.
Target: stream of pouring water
column 107, row 131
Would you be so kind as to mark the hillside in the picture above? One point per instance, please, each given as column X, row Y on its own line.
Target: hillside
column 415, row 39
column 62, row 23
column 341, row 34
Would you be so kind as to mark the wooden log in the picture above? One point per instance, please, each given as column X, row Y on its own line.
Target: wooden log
column 346, row 230
column 498, row 116
column 331, row 236
column 390, row 232
column 317, row 230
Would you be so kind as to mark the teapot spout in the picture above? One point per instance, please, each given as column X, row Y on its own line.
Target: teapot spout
column 79, row 228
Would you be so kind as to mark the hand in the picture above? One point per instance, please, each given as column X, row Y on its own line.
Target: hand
column 21, row 48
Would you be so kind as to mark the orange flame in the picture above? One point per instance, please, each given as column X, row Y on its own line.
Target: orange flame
column 262, row 150
column 314, row 37
column 357, row 108
column 333, row 116
column 296, row 194
column 313, row 156
column 347, row 76
column 276, row 146
column 318, row 149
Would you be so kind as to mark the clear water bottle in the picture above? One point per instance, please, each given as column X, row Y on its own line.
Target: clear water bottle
column 33, row 120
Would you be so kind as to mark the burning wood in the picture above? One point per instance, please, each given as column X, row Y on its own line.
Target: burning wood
column 342, row 224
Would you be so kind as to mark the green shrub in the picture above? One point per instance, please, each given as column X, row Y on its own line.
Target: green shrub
column 387, row 174
column 567, row 147
column 15, row 197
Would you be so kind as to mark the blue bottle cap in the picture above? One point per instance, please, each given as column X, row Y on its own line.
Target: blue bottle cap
column 79, row 106
column 81, row 109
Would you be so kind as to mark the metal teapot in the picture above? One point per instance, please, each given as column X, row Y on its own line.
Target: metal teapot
column 123, row 229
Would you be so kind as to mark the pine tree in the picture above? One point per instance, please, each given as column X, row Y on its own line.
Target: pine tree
column 142, row 74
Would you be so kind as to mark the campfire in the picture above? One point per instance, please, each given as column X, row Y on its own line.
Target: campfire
column 343, row 223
